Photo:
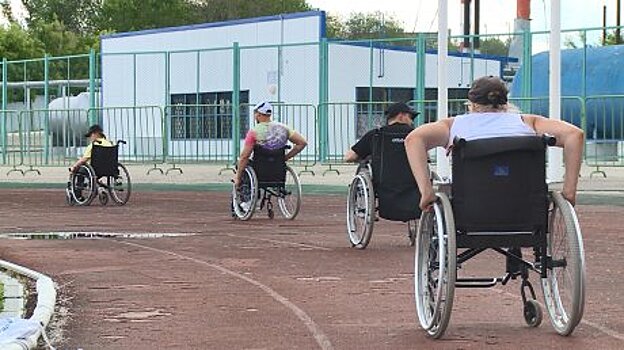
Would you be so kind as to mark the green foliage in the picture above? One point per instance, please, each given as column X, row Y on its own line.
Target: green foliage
column 17, row 43
column 495, row 46
column 78, row 16
column 612, row 39
column 365, row 26
column 223, row 10
column 131, row 15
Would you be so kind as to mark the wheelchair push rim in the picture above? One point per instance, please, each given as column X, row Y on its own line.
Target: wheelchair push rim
column 245, row 197
column 360, row 208
column 435, row 267
column 564, row 285
column 289, row 199
column 83, row 182
column 120, row 186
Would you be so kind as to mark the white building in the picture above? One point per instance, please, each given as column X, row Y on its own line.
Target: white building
column 195, row 65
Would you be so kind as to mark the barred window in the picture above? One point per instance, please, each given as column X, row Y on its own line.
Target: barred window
column 206, row 115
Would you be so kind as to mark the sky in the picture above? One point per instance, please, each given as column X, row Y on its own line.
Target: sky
column 497, row 16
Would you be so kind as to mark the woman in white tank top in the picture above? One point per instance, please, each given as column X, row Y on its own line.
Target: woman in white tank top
column 490, row 116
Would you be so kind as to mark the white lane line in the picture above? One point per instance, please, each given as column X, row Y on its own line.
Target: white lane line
column 610, row 332
column 318, row 334
column 302, row 245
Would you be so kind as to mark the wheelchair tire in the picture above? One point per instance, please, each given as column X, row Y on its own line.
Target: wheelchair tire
column 290, row 203
column 244, row 210
column 564, row 285
column 83, row 187
column 360, row 211
column 120, row 187
column 434, row 300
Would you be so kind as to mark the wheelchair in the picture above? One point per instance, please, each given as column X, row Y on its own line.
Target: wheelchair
column 498, row 200
column 104, row 178
column 267, row 176
column 383, row 186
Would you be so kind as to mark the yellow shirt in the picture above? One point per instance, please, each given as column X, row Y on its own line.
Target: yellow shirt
column 101, row 142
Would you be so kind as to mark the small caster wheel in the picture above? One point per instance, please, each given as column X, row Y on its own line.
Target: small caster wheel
column 532, row 313
column 270, row 211
column 69, row 199
column 103, row 197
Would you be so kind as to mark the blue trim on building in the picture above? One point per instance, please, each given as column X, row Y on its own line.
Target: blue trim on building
column 381, row 45
column 320, row 14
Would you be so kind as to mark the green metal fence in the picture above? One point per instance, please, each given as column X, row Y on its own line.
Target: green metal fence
column 604, row 132
column 142, row 128
column 200, row 98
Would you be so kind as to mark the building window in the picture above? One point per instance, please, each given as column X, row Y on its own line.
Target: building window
column 206, row 115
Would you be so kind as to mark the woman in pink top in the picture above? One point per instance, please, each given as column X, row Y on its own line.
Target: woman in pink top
column 489, row 117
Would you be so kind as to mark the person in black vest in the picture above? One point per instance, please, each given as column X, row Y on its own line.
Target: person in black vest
column 400, row 119
column 394, row 185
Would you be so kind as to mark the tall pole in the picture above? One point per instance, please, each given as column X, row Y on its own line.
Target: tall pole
column 466, row 24
column 618, row 9
column 604, row 25
column 443, row 167
column 555, row 155
column 477, row 23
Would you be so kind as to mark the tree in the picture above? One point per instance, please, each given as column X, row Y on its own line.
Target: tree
column 366, row 26
column 78, row 16
column 494, row 46
column 131, row 15
column 223, row 10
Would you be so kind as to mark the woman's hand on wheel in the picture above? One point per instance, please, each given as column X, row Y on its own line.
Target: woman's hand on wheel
column 427, row 198
column 569, row 195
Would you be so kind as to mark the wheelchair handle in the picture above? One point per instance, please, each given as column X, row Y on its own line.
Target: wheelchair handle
column 122, row 142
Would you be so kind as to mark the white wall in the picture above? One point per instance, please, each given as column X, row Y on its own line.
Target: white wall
column 140, row 79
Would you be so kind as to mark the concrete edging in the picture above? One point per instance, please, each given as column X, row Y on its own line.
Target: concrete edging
column 46, row 299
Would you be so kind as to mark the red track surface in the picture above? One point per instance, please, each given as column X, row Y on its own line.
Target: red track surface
column 278, row 284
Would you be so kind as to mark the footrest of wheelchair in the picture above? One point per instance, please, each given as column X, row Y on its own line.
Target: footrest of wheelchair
column 476, row 282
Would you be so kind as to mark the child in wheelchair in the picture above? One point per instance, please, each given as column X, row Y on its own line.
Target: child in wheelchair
column 98, row 173
column 267, row 170
column 498, row 199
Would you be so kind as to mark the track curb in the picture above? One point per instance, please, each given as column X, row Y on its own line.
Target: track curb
column 46, row 299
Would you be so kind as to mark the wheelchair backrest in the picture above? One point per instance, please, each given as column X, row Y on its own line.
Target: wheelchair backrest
column 269, row 165
column 104, row 160
column 499, row 184
column 395, row 186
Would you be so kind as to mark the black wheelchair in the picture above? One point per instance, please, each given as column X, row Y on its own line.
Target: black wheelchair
column 383, row 186
column 498, row 199
column 267, row 176
column 105, row 177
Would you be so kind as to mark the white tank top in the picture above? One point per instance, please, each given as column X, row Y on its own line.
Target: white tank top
column 474, row 126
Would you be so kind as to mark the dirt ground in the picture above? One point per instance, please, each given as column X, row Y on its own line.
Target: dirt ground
column 277, row 284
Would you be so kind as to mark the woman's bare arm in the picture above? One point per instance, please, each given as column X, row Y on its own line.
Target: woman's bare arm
column 571, row 138
column 417, row 143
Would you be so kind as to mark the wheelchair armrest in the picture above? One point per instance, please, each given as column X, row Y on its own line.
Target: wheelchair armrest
column 549, row 140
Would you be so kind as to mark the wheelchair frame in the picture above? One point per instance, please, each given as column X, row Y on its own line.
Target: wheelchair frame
column 95, row 187
column 437, row 262
column 264, row 193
